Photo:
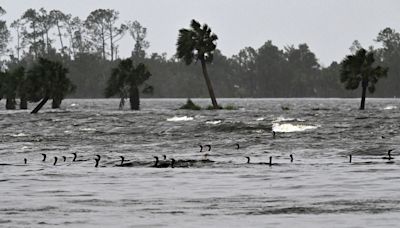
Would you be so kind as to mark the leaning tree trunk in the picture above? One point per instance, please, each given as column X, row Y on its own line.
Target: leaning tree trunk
column 10, row 103
column 40, row 105
column 134, row 98
column 209, row 86
column 23, row 104
column 363, row 94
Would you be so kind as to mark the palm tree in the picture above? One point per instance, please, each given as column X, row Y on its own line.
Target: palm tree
column 9, row 88
column 48, row 80
column 197, row 43
column 125, row 81
column 358, row 68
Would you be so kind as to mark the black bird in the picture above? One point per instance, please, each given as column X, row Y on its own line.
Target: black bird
column 161, row 164
column 74, row 159
column 291, row 157
column 97, row 160
column 389, row 157
column 273, row 134
column 64, row 158
column 350, row 157
column 258, row 163
column 201, row 148
column 44, row 157
column 165, row 157
column 55, row 160
column 209, row 147
column 25, row 160
column 186, row 163
column 270, row 161
column 122, row 160
column 237, row 146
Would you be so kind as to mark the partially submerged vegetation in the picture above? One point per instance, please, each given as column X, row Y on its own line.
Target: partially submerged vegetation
column 87, row 50
column 190, row 105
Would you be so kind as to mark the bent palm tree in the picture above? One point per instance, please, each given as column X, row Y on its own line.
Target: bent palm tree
column 197, row 43
column 358, row 68
column 125, row 81
column 48, row 80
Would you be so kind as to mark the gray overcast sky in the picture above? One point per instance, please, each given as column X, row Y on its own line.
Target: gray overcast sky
column 328, row 26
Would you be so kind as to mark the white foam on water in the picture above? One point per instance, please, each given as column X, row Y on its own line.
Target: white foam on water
column 19, row 135
column 87, row 129
column 287, row 127
column 260, row 119
column 73, row 105
column 284, row 119
column 214, row 122
column 390, row 107
column 180, row 118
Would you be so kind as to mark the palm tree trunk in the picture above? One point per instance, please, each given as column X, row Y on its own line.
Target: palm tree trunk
column 134, row 98
column 363, row 94
column 23, row 103
column 209, row 86
column 56, row 103
column 40, row 105
column 10, row 103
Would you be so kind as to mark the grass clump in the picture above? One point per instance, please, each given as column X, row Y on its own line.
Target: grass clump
column 230, row 107
column 210, row 107
column 190, row 105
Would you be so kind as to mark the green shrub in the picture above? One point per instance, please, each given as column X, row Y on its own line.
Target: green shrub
column 190, row 105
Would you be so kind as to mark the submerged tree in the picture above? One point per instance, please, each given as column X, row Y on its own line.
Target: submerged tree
column 125, row 81
column 13, row 86
column 198, row 43
column 358, row 68
column 48, row 80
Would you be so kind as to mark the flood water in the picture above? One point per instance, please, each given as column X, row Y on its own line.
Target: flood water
column 319, row 189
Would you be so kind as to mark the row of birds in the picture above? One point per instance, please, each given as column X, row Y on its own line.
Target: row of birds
column 183, row 163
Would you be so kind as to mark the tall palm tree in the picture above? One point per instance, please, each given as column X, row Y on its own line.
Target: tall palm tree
column 358, row 68
column 125, row 81
column 48, row 80
column 198, row 43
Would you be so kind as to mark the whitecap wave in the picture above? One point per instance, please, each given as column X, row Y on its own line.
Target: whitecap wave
column 180, row 118
column 19, row 135
column 286, row 127
column 214, row 122
column 390, row 107
column 283, row 119
column 260, row 119
column 87, row 129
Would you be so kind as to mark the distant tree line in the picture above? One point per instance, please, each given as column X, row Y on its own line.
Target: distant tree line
column 89, row 49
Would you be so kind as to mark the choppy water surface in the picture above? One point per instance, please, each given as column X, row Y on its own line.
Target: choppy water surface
column 319, row 189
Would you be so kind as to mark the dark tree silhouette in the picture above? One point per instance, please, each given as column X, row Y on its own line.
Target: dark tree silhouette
column 13, row 85
column 360, row 68
column 48, row 80
column 125, row 81
column 198, row 43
